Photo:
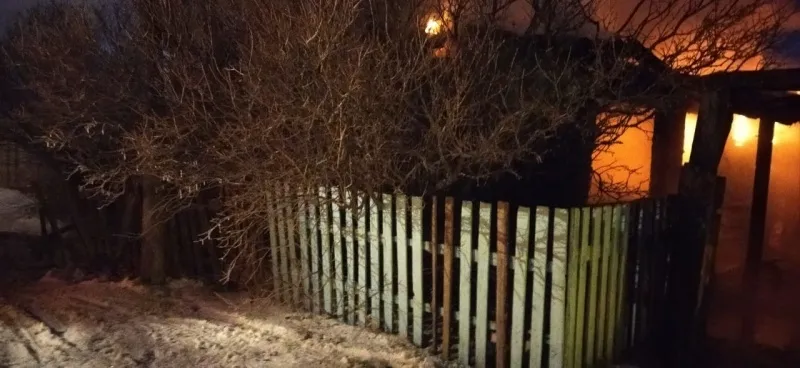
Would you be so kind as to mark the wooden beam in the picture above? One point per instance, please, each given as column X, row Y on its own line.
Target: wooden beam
column 758, row 219
column 690, row 227
column 781, row 107
column 714, row 121
column 667, row 151
column 774, row 80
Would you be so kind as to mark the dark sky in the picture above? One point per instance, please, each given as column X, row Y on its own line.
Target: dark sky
column 790, row 47
column 789, row 50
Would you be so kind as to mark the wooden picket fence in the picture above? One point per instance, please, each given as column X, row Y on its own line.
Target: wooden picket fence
column 510, row 286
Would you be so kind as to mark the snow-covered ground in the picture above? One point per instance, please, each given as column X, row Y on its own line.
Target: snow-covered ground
column 18, row 212
column 52, row 323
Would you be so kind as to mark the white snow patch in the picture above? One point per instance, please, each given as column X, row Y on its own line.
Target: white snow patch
column 18, row 212
column 124, row 324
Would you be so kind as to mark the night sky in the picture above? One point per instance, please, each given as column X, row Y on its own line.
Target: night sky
column 788, row 51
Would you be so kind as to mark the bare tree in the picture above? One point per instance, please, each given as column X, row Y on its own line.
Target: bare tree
column 367, row 95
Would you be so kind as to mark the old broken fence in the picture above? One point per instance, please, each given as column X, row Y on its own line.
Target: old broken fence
column 509, row 286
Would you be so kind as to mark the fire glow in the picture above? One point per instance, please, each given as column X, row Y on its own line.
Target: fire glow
column 744, row 131
column 433, row 27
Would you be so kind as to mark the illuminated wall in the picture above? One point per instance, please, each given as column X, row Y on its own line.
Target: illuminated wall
column 737, row 166
column 625, row 163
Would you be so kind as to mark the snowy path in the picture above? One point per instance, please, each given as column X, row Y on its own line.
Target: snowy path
column 103, row 324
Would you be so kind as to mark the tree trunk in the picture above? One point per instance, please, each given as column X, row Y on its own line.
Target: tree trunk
column 153, row 234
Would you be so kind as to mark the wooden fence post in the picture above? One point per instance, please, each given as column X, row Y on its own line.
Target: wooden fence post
column 465, row 284
column 502, row 284
column 447, row 301
column 758, row 219
column 695, row 204
column 434, row 274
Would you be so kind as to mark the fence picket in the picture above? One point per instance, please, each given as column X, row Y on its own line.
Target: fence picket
column 501, row 325
column 302, row 225
column 573, row 273
column 613, row 272
column 465, row 284
column 560, row 231
column 375, row 263
column 283, row 247
column 484, row 259
column 401, row 219
column 447, row 301
column 602, row 300
column 623, row 287
column 594, row 279
column 580, row 320
column 291, row 246
column 325, row 253
column 350, row 256
column 388, row 267
column 313, row 219
column 539, row 281
column 640, row 276
column 336, row 248
column 434, row 280
column 518, row 310
column 416, row 267
column 361, row 260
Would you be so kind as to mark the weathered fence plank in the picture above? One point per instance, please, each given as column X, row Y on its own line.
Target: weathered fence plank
column 613, row 285
column 375, row 264
column 283, row 246
column 416, row 268
column 501, row 325
column 302, row 225
column 326, row 252
column 538, row 301
column 388, row 264
column 585, row 256
column 401, row 228
column 362, row 260
column 559, row 228
column 622, row 309
column 594, row 280
column 447, row 297
column 573, row 273
column 336, row 248
column 483, row 258
column 465, row 270
column 291, row 245
column 350, row 257
column 518, row 310
column 434, row 281
column 604, row 276
column 314, row 240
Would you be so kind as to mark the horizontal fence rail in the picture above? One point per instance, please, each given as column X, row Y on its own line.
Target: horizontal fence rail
column 487, row 284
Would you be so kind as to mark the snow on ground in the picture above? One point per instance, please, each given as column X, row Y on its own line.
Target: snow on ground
column 18, row 212
column 51, row 323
